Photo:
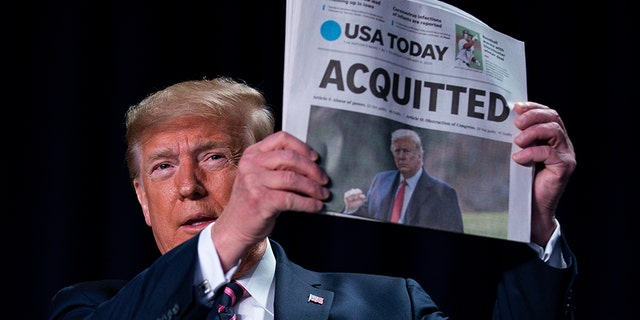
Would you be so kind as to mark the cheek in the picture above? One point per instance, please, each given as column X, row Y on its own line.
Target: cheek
column 220, row 187
column 159, row 196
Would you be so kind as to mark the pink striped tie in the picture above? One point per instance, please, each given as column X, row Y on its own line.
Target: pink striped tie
column 226, row 297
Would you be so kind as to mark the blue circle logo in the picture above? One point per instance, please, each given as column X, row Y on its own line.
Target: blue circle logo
column 330, row 30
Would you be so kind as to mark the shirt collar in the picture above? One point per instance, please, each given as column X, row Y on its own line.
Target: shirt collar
column 259, row 282
column 412, row 181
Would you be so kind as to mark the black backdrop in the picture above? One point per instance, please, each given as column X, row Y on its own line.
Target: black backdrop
column 72, row 215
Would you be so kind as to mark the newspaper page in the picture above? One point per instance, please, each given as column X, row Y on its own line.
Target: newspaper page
column 358, row 70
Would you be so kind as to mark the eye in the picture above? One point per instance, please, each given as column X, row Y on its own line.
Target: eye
column 216, row 160
column 163, row 166
column 403, row 151
column 160, row 167
column 161, row 170
column 216, row 157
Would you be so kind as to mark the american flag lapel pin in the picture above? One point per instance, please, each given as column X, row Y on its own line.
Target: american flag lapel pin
column 315, row 299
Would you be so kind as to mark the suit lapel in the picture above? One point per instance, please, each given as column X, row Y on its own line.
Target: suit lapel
column 419, row 196
column 296, row 295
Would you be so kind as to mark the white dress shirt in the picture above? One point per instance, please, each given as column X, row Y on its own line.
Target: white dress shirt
column 259, row 282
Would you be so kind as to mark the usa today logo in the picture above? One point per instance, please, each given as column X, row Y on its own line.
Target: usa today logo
column 330, row 30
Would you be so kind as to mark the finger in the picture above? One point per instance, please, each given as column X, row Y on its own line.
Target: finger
column 546, row 143
column 290, row 181
column 280, row 201
column 267, row 193
column 284, row 141
column 286, row 161
column 524, row 106
column 531, row 113
column 550, row 133
column 353, row 191
column 533, row 154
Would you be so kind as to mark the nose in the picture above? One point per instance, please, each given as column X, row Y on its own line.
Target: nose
column 188, row 181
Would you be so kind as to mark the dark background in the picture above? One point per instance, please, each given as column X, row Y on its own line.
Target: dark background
column 72, row 69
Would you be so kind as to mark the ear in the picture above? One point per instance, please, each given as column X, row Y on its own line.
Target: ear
column 142, row 199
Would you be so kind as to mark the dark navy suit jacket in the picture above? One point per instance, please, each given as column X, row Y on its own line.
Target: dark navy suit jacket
column 165, row 291
column 433, row 204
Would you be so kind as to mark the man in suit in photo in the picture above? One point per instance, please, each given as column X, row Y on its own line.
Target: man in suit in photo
column 425, row 201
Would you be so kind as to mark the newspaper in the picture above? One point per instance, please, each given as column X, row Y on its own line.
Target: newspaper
column 356, row 70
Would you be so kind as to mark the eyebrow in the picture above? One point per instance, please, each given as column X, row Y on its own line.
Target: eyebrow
column 167, row 152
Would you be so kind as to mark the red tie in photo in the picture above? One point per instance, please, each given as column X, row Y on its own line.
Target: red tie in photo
column 397, row 203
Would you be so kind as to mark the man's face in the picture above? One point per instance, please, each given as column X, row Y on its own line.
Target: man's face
column 188, row 170
column 407, row 157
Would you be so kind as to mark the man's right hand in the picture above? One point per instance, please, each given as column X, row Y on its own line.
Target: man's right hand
column 277, row 174
column 353, row 199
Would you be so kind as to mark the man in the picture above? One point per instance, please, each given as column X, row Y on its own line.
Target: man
column 211, row 179
column 466, row 49
column 425, row 201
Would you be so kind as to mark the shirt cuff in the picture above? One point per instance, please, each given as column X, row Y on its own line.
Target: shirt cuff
column 208, row 274
column 551, row 254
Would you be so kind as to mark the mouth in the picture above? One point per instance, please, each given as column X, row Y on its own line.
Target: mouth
column 198, row 223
